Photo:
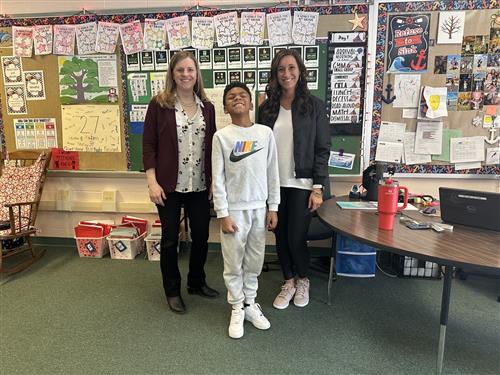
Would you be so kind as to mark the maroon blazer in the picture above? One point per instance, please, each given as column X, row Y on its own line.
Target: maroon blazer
column 160, row 149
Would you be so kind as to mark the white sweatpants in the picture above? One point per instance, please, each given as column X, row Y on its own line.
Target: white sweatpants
column 243, row 254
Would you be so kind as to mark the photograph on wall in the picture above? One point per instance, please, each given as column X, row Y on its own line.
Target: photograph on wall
column 312, row 78
column 88, row 79
column 408, row 43
column 234, row 76
column 311, row 56
column 264, row 76
column 450, row 27
column 440, row 63
column 147, row 60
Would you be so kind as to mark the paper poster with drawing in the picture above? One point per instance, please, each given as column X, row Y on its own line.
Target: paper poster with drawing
column 22, row 41
column 408, row 43
column 226, row 29
column 132, row 38
column 88, row 79
column 42, row 37
column 279, row 28
column 202, row 31
column 86, row 34
column 178, row 32
column 450, row 27
column 91, row 128
column 35, row 84
column 435, row 98
column 155, row 35
column 107, row 37
column 64, row 40
column 406, row 90
column 12, row 67
column 252, row 28
column 16, row 99
column 305, row 26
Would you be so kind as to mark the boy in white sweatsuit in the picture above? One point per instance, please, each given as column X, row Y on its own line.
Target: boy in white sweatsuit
column 245, row 177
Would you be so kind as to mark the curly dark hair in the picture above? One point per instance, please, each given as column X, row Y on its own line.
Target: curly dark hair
column 273, row 88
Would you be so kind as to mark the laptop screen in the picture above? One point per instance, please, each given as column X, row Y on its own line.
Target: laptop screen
column 468, row 207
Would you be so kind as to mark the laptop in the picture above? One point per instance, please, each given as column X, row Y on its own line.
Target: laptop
column 468, row 207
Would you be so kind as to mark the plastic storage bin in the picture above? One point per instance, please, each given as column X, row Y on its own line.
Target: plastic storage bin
column 355, row 259
column 153, row 247
column 126, row 248
column 92, row 247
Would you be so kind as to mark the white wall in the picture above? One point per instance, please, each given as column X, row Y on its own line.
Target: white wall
column 132, row 197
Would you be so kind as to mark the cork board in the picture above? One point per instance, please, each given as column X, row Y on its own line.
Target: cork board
column 479, row 16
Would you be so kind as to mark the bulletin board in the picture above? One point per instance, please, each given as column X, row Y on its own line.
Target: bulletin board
column 129, row 157
column 480, row 17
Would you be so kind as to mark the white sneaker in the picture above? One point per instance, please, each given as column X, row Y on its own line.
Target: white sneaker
column 283, row 299
column 236, row 328
column 253, row 313
column 301, row 298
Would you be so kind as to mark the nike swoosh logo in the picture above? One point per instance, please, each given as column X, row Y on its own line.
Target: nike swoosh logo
column 235, row 158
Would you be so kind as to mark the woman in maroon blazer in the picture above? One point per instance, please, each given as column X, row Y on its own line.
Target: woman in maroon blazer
column 177, row 147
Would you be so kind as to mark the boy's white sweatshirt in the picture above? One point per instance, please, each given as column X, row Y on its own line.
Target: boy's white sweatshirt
column 244, row 169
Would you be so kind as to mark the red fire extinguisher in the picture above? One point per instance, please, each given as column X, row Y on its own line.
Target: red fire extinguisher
column 388, row 192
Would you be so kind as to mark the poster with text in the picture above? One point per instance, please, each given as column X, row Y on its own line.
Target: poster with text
column 408, row 43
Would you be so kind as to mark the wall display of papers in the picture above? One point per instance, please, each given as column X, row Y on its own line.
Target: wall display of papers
column 436, row 70
column 346, row 77
column 35, row 133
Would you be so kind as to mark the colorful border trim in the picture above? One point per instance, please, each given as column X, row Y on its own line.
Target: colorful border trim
column 418, row 6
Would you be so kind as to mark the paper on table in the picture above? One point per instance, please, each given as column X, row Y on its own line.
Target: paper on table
column 467, row 149
column 406, row 90
column 389, row 152
column 391, row 131
column 435, row 97
column 447, row 134
column 409, row 149
column 428, row 138
column 468, row 165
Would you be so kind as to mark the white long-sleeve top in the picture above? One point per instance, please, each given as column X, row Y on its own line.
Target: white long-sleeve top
column 244, row 169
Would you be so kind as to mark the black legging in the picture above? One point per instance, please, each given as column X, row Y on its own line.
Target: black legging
column 197, row 209
column 294, row 218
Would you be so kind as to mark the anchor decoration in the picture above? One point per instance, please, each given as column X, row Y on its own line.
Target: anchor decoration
column 493, row 137
column 388, row 99
column 420, row 61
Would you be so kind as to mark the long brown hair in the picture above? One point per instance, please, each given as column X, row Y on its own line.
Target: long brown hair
column 274, row 90
column 166, row 98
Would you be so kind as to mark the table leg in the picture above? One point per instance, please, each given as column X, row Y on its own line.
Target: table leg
column 445, row 305
column 330, row 279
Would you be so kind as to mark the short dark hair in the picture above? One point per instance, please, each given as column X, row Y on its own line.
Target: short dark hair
column 231, row 86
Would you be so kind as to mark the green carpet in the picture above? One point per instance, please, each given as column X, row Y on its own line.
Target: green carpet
column 68, row 315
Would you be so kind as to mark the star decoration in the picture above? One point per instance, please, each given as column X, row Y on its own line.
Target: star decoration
column 357, row 22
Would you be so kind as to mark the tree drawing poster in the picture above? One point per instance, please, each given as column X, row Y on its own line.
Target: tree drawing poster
column 408, row 43
column 450, row 27
column 88, row 79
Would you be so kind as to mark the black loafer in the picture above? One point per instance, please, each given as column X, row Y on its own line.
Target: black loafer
column 204, row 291
column 176, row 304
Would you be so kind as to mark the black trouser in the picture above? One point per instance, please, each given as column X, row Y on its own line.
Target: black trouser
column 294, row 218
column 197, row 209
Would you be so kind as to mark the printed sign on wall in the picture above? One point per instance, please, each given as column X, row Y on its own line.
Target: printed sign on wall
column 408, row 43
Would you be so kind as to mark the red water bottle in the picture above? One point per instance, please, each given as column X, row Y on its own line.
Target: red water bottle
column 388, row 192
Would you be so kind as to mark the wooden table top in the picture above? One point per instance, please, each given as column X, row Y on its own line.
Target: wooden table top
column 464, row 246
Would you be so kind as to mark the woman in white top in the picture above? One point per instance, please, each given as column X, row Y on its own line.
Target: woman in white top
column 302, row 134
